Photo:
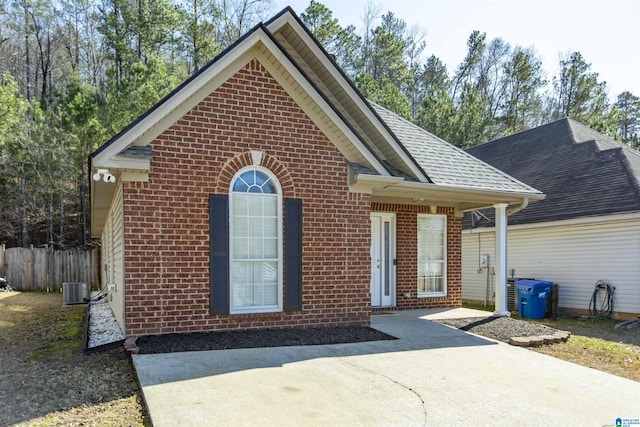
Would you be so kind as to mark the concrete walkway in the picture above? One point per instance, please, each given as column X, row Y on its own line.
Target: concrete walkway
column 432, row 375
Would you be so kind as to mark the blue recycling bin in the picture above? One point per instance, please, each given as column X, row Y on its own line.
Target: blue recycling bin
column 532, row 298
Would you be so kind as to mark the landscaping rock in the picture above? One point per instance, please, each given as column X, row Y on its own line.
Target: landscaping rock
column 519, row 341
column 551, row 339
column 563, row 335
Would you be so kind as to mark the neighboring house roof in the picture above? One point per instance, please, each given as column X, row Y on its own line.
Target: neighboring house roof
column 389, row 157
column 582, row 172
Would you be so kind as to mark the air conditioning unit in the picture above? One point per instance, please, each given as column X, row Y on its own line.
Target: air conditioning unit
column 512, row 295
column 75, row 293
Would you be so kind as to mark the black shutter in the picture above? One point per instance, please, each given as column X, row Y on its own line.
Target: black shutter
column 219, row 253
column 293, row 254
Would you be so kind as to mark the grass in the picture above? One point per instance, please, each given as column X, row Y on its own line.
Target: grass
column 47, row 381
column 67, row 337
column 596, row 344
column 599, row 345
column 615, row 358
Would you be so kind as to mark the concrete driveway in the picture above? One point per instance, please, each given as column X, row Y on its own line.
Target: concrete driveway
column 432, row 375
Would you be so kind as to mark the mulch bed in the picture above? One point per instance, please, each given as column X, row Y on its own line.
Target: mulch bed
column 199, row 341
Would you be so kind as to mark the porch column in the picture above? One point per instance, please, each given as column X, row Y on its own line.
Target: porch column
column 500, row 266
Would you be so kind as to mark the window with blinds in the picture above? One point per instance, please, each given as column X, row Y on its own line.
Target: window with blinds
column 256, row 241
column 432, row 255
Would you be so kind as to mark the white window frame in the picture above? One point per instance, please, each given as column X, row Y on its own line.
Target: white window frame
column 265, row 308
column 443, row 261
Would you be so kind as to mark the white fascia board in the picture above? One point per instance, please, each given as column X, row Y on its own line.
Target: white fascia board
column 129, row 176
column 490, row 196
column 562, row 223
column 322, row 103
column 187, row 93
column 208, row 81
column 364, row 183
column 123, row 162
column 288, row 18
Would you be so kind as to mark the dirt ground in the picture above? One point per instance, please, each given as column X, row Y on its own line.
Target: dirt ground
column 596, row 328
column 598, row 344
column 45, row 379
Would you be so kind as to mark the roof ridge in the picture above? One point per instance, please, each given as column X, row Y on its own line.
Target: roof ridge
column 520, row 132
column 582, row 171
column 633, row 173
column 601, row 141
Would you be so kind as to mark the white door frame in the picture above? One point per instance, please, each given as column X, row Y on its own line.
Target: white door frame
column 383, row 259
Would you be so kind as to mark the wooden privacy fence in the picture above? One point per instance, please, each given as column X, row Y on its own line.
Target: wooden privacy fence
column 44, row 269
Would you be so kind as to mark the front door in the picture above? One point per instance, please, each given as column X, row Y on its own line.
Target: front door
column 383, row 259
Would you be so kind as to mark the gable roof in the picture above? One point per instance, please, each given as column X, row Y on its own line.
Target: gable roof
column 446, row 164
column 320, row 68
column 260, row 43
column 582, row 172
column 389, row 157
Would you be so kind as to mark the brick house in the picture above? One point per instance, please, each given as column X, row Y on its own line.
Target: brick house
column 266, row 192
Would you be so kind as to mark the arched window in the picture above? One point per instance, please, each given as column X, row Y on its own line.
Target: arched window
column 255, row 242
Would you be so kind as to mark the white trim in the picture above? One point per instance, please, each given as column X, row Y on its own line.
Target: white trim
column 319, row 100
column 178, row 99
column 500, row 263
column 469, row 198
column 391, row 217
column 134, row 176
column 361, row 183
column 481, row 193
column 122, row 162
column 561, row 223
column 144, row 131
column 261, row 309
column 287, row 18
column 444, row 261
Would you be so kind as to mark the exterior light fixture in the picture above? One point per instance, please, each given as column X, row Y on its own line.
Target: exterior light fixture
column 106, row 176
column 418, row 200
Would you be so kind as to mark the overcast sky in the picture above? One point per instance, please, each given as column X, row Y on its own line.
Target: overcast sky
column 606, row 32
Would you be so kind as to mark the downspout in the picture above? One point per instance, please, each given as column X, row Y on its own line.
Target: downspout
column 521, row 206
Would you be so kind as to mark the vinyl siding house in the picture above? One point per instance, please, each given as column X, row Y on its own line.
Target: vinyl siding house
column 586, row 229
column 266, row 192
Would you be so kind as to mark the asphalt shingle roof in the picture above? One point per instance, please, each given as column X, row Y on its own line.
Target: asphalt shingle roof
column 582, row 172
column 446, row 164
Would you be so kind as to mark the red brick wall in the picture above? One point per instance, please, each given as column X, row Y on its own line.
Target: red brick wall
column 166, row 219
column 407, row 256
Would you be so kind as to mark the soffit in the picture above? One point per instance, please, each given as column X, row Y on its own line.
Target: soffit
column 355, row 109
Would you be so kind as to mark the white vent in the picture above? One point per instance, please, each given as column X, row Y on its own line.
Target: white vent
column 75, row 293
